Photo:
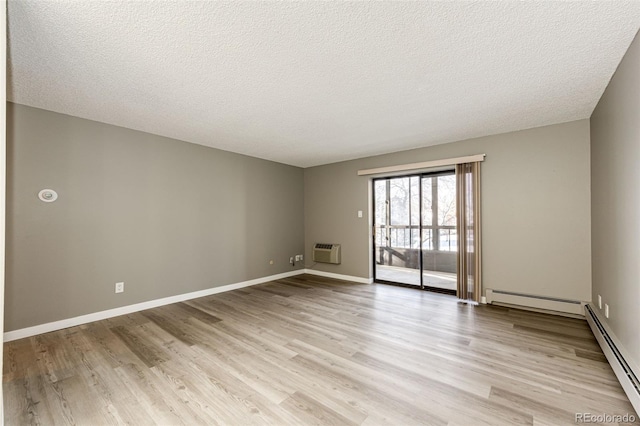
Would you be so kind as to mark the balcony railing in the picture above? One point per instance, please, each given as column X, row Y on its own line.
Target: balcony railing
column 436, row 238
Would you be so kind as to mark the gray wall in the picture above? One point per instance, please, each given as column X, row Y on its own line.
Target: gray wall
column 536, row 208
column 164, row 216
column 615, row 204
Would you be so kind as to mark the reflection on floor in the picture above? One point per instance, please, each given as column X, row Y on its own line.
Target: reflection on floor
column 397, row 274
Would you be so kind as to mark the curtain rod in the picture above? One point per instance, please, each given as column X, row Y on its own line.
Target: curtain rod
column 423, row 165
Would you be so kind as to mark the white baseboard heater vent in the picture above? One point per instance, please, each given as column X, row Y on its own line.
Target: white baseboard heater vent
column 326, row 253
column 627, row 377
column 534, row 301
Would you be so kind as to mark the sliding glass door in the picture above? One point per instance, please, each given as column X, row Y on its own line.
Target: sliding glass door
column 415, row 239
column 439, row 234
column 397, row 230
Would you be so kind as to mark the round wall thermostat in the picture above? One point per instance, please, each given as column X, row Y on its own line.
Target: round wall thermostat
column 48, row 195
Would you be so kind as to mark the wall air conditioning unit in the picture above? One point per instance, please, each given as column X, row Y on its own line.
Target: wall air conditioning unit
column 326, row 253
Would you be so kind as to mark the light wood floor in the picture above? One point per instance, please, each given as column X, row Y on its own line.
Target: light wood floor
column 309, row 350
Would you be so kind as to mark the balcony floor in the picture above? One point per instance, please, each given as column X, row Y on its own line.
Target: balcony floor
column 444, row 280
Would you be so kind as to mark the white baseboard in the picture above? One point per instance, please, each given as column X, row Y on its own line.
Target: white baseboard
column 621, row 362
column 339, row 276
column 110, row 313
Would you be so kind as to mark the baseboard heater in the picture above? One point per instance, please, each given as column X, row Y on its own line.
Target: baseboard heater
column 626, row 375
column 534, row 301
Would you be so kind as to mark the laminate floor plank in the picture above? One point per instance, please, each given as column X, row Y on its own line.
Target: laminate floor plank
column 173, row 326
column 313, row 350
column 31, row 407
column 379, row 400
column 108, row 345
column 20, row 360
column 151, row 396
column 146, row 352
column 311, row 411
column 405, row 386
column 192, row 312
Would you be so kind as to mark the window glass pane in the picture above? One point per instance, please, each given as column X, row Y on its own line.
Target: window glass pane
column 380, row 194
column 427, row 239
column 381, row 237
column 427, row 213
column 415, row 202
column 415, row 237
column 399, row 194
column 447, row 200
column 448, row 240
column 400, row 237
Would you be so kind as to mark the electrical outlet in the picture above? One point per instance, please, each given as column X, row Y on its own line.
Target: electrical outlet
column 120, row 287
column 291, row 260
column 606, row 310
column 298, row 257
column 599, row 302
column 301, row 257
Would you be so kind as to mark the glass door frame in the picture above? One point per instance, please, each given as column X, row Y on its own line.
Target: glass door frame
column 420, row 176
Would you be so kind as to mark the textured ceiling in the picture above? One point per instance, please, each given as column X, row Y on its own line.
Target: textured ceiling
column 308, row 83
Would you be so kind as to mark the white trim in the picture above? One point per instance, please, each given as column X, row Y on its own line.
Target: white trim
column 534, row 301
column 361, row 280
column 423, row 165
column 123, row 310
column 625, row 381
column 627, row 357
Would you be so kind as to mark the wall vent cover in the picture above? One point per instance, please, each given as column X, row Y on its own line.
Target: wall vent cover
column 326, row 253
